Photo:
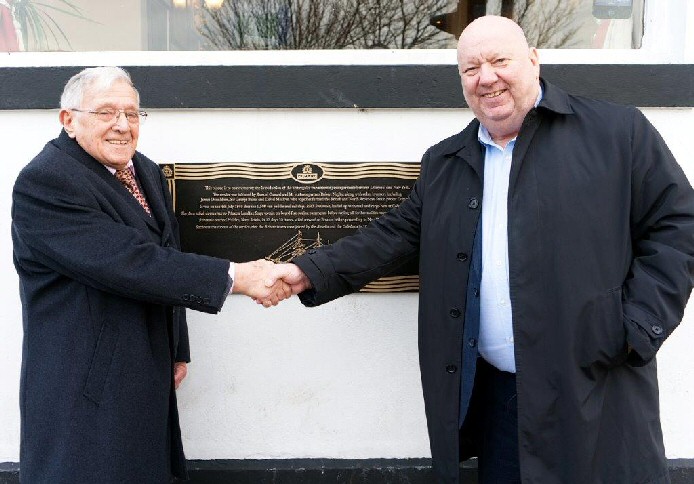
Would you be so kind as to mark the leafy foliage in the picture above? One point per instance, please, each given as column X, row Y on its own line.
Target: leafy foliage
column 38, row 25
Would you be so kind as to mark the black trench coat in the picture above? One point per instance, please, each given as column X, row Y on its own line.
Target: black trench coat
column 103, row 287
column 601, row 246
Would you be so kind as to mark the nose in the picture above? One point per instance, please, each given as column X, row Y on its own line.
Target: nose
column 487, row 74
column 121, row 123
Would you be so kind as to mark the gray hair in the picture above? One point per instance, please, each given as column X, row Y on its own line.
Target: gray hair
column 92, row 77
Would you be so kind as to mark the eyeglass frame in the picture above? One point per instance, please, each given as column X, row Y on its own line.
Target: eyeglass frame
column 141, row 114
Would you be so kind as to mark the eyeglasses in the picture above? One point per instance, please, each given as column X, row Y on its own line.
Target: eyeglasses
column 109, row 115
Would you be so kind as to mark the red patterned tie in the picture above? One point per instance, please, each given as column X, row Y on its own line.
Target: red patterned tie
column 126, row 177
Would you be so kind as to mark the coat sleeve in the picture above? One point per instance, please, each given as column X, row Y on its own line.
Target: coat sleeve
column 659, row 282
column 61, row 225
column 372, row 252
column 182, row 349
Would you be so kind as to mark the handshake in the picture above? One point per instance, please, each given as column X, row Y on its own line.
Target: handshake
column 269, row 283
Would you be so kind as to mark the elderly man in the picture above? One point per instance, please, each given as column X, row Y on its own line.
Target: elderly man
column 103, row 286
column 555, row 237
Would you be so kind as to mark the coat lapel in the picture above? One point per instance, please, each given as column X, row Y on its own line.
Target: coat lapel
column 471, row 152
column 466, row 146
column 149, row 181
column 135, row 205
column 525, row 137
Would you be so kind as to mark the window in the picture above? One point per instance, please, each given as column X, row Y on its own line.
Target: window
column 195, row 25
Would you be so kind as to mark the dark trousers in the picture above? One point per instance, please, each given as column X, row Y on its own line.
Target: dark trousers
column 491, row 425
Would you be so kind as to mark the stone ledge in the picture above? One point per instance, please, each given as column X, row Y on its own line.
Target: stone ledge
column 324, row 471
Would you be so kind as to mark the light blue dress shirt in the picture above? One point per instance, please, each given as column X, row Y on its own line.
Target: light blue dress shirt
column 496, row 316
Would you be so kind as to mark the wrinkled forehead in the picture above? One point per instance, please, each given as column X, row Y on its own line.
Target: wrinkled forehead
column 481, row 52
column 117, row 94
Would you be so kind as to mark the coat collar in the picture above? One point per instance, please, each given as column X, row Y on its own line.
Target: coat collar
column 70, row 147
column 554, row 99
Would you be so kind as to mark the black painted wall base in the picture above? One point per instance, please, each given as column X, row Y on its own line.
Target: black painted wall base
column 309, row 471
column 346, row 86
column 330, row 471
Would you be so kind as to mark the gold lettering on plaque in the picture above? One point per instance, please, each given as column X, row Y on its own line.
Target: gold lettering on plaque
column 246, row 211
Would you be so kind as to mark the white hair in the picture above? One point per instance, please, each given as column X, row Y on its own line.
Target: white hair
column 92, row 77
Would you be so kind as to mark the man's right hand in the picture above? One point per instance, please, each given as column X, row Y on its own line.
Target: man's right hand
column 251, row 279
column 289, row 274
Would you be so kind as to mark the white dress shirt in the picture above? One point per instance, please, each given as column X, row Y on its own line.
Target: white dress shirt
column 496, row 315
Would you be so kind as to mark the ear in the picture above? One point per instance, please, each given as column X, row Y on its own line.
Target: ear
column 534, row 56
column 67, row 119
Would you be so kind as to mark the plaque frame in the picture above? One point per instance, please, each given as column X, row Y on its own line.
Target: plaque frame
column 248, row 192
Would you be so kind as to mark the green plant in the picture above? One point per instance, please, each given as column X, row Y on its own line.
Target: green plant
column 36, row 18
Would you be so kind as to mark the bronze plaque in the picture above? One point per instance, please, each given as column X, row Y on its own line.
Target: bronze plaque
column 276, row 211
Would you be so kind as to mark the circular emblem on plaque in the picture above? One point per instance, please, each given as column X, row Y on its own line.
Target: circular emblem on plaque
column 168, row 172
column 307, row 173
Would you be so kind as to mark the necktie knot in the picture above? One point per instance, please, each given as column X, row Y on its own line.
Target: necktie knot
column 126, row 177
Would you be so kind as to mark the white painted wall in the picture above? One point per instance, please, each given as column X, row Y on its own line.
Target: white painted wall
column 338, row 381
column 342, row 380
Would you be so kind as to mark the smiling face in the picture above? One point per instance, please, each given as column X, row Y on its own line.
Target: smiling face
column 111, row 143
column 500, row 74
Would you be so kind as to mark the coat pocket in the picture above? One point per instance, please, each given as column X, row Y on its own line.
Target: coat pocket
column 101, row 362
column 602, row 334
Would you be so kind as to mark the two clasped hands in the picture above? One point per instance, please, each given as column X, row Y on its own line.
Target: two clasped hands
column 269, row 283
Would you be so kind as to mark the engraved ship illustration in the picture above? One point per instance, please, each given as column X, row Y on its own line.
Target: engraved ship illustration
column 294, row 247
column 297, row 245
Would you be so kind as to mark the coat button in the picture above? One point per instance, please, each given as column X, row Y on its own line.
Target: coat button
column 477, row 292
column 472, row 342
column 451, row 369
column 462, row 256
column 455, row 313
column 657, row 329
column 473, row 203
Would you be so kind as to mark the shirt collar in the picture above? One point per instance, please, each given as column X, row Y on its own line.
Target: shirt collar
column 129, row 165
column 486, row 139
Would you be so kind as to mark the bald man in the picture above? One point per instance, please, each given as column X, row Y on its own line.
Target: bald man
column 555, row 237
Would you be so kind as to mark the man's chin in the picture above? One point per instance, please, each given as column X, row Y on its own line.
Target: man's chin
column 121, row 159
column 116, row 163
column 498, row 113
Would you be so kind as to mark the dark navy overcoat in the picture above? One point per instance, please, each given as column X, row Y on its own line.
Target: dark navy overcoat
column 601, row 256
column 103, row 286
